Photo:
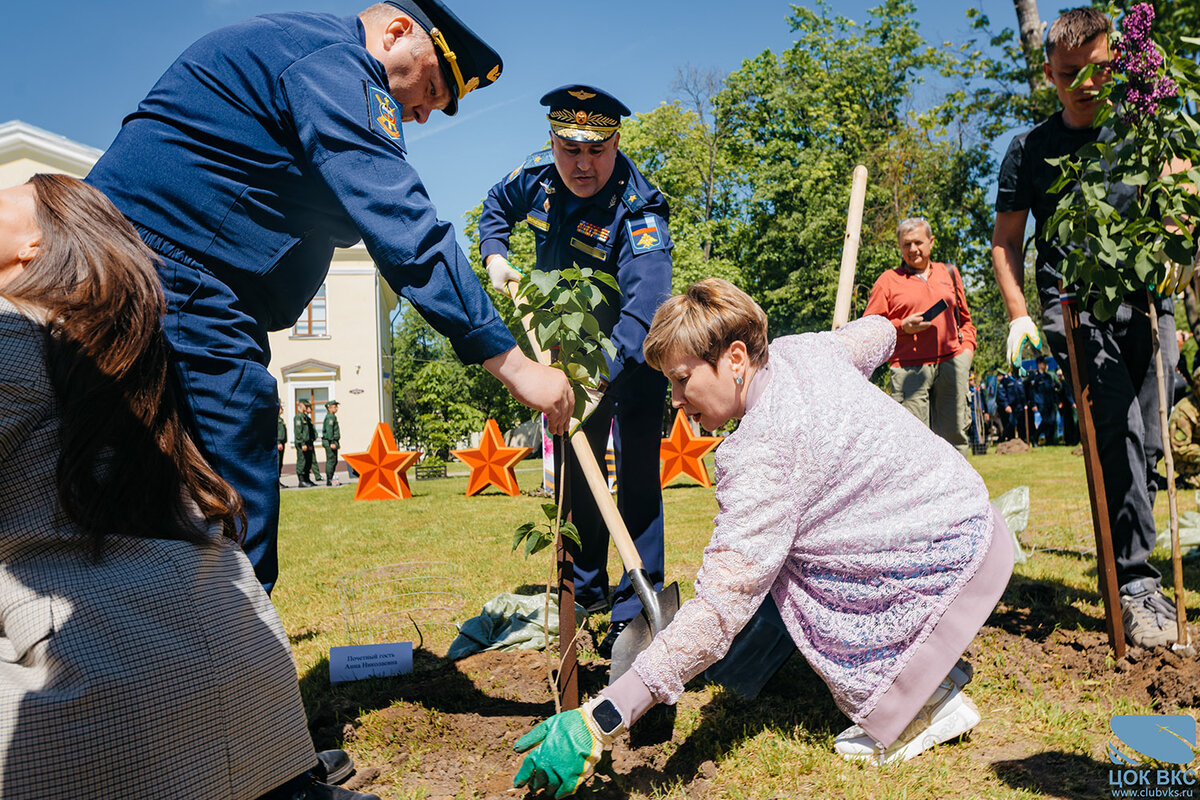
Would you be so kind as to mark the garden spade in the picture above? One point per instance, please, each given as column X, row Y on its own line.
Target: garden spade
column 658, row 608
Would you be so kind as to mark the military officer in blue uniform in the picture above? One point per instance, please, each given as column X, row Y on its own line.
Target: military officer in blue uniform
column 1041, row 392
column 262, row 148
column 1010, row 402
column 587, row 204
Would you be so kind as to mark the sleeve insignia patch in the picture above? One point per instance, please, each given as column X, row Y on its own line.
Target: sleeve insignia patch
column 383, row 114
column 644, row 235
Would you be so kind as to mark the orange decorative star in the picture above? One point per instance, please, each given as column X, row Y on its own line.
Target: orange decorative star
column 381, row 469
column 492, row 463
column 683, row 453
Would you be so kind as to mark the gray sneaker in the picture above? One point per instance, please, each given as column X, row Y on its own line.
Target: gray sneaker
column 1148, row 616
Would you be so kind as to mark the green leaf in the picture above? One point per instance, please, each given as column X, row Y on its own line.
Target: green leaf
column 531, row 543
column 520, row 534
column 591, row 327
column 546, row 332
column 1143, row 267
column 1178, row 248
column 544, row 281
column 550, row 510
column 577, row 372
column 1108, row 251
column 1137, row 178
column 573, row 321
column 607, row 279
column 570, row 532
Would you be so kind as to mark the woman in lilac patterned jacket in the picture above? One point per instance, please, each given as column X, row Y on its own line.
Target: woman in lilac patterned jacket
column 845, row 526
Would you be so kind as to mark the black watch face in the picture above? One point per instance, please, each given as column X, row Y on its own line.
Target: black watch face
column 607, row 717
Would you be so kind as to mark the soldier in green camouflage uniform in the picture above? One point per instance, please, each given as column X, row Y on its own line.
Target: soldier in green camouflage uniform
column 303, row 436
column 280, row 440
column 1184, row 427
column 331, row 437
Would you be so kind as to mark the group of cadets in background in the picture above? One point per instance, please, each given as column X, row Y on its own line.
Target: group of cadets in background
column 304, row 434
column 1006, row 407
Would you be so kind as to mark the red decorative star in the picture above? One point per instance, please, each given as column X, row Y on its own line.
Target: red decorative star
column 683, row 453
column 381, row 469
column 492, row 463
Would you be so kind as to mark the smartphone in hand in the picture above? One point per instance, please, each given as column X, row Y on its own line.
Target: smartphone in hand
column 934, row 310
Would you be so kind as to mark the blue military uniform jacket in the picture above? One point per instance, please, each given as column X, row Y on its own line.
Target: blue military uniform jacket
column 271, row 142
column 1041, row 389
column 1009, row 392
column 622, row 230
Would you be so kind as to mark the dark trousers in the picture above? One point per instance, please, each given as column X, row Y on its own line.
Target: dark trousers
column 1014, row 423
column 331, row 460
column 637, row 437
column 1124, row 393
column 228, row 397
column 757, row 653
column 280, row 462
column 304, row 464
column 1048, row 430
column 1070, row 426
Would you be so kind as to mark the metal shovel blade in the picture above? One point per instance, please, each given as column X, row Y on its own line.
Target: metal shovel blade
column 639, row 633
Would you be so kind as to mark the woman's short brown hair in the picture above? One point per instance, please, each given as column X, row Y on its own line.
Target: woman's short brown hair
column 703, row 322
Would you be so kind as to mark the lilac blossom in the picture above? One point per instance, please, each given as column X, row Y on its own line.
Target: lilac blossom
column 1142, row 62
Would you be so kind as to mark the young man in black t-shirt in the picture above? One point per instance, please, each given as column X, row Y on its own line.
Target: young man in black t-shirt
column 1117, row 352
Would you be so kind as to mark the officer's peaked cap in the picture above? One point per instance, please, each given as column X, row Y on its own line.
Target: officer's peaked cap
column 467, row 61
column 329, row 403
column 583, row 113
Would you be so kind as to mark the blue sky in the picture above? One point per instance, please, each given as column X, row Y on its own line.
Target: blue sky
column 77, row 68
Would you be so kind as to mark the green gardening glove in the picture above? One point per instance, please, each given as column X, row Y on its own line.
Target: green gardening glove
column 567, row 747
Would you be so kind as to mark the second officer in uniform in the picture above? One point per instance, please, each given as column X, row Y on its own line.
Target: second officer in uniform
column 589, row 205
column 331, row 437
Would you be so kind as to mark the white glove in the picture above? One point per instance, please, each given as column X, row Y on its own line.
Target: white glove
column 1177, row 278
column 501, row 272
column 1021, row 330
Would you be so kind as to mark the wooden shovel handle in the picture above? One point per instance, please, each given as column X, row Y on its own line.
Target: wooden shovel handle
column 858, row 196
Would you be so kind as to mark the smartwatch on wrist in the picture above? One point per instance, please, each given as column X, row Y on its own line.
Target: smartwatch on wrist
column 607, row 718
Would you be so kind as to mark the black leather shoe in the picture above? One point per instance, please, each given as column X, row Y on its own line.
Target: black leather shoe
column 307, row 787
column 335, row 766
column 610, row 638
column 596, row 606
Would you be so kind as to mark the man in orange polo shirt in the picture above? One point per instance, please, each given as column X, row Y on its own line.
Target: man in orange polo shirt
column 935, row 340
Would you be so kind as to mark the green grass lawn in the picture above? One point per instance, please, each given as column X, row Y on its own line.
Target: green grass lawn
column 1044, row 731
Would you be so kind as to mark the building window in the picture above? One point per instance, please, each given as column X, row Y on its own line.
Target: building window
column 316, row 397
column 313, row 321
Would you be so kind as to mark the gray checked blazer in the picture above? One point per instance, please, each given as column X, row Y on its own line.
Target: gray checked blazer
column 161, row 671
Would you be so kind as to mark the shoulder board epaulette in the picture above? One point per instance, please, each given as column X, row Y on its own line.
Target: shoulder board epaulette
column 632, row 198
column 539, row 159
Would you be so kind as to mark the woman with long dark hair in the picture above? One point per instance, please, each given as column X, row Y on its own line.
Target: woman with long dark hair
column 138, row 652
